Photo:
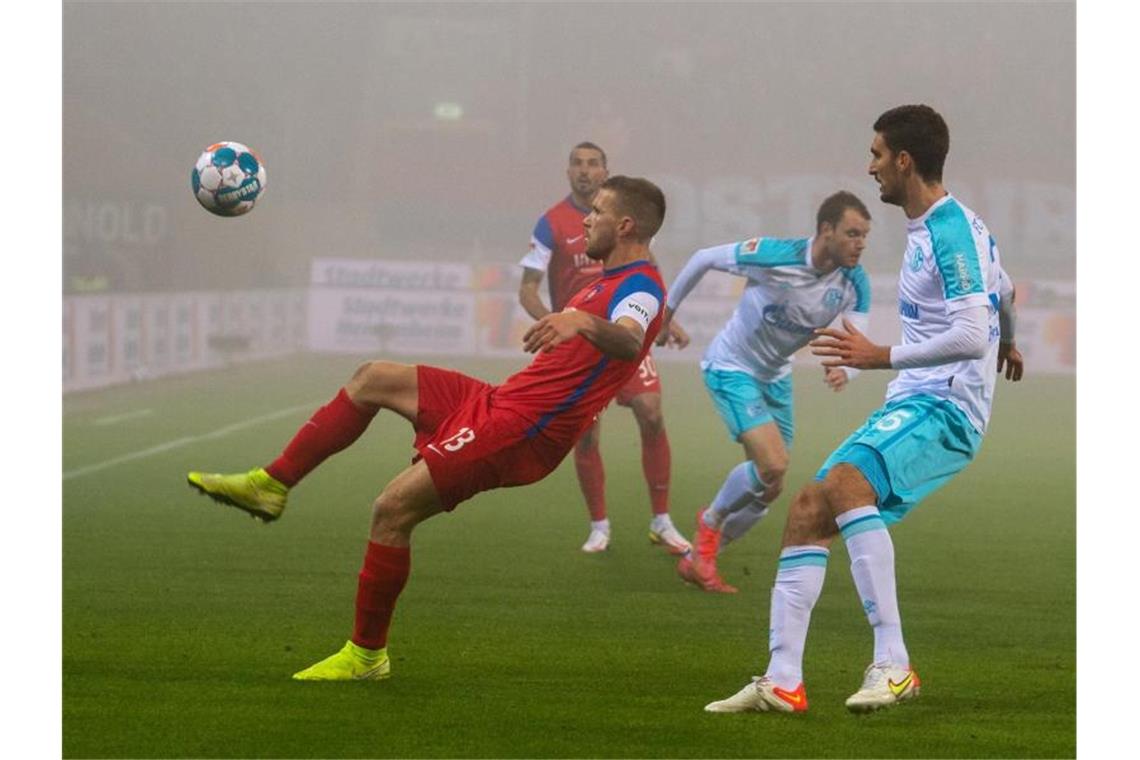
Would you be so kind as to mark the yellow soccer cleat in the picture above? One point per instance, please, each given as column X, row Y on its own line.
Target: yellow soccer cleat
column 351, row 663
column 256, row 492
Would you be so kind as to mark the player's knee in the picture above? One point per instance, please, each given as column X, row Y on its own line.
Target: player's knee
column 650, row 417
column 772, row 488
column 772, row 475
column 371, row 381
column 774, row 471
column 809, row 519
column 390, row 515
column 587, row 445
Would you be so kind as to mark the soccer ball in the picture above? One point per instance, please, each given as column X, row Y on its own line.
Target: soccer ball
column 228, row 179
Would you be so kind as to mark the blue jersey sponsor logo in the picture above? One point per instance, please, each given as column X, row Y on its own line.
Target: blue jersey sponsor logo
column 908, row 309
column 776, row 315
column 832, row 297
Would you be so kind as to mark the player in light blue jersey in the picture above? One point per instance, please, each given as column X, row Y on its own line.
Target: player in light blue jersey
column 956, row 306
column 794, row 286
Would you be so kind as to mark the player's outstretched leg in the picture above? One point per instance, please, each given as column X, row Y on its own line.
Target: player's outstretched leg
column 762, row 695
column 799, row 581
column 257, row 493
column 262, row 492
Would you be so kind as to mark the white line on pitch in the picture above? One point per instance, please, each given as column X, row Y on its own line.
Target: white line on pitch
column 178, row 442
column 112, row 419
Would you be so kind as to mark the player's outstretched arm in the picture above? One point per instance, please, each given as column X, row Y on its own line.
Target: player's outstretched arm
column 967, row 338
column 621, row 339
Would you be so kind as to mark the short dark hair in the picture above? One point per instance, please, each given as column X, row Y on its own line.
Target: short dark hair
column 640, row 199
column 920, row 131
column 587, row 145
column 832, row 208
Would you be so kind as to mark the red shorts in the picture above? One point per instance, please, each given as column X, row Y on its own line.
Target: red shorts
column 470, row 445
column 645, row 380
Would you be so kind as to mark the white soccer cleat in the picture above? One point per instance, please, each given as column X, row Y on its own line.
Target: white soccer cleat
column 598, row 541
column 884, row 685
column 762, row 696
column 670, row 539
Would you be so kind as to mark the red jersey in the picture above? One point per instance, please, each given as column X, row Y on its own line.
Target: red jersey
column 558, row 247
column 562, row 390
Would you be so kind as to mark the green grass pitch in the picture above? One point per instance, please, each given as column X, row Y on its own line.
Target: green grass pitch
column 182, row 620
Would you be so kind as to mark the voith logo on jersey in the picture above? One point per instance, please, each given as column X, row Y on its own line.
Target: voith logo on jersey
column 964, row 279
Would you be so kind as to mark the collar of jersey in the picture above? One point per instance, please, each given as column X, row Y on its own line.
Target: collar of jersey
column 918, row 222
column 624, row 267
column 570, row 200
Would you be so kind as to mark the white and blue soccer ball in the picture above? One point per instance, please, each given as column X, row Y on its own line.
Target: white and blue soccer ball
column 228, row 179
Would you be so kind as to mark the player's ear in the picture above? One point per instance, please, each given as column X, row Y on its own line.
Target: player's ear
column 903, row 161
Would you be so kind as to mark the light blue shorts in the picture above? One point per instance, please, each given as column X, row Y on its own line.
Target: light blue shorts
column 745, row 402
column 908, row 449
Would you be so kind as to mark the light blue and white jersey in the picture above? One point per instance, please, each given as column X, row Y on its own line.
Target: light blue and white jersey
column 951, row 263
column 784, row 301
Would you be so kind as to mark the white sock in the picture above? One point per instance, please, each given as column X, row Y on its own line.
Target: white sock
column 661, row 523
column 741, row 488
column 799, row 581
column 873, row 568
column 602, row 525
column 740, row 522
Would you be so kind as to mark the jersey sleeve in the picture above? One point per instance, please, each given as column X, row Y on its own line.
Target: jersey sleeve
column 541, row 244
column 722, row 257
column 639, row 298
column 965, row 340
column 764, row 253
column 956, row 257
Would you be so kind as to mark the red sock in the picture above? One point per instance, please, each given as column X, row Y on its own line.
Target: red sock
column 592, row 479
column 380, row 582
column 331, row 428
column 655, row 463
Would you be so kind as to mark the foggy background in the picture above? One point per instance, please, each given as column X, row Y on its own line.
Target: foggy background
column 746, row 114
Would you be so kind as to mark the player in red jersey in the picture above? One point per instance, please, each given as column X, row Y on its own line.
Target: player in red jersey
column 558, row 248
column 472, row 436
